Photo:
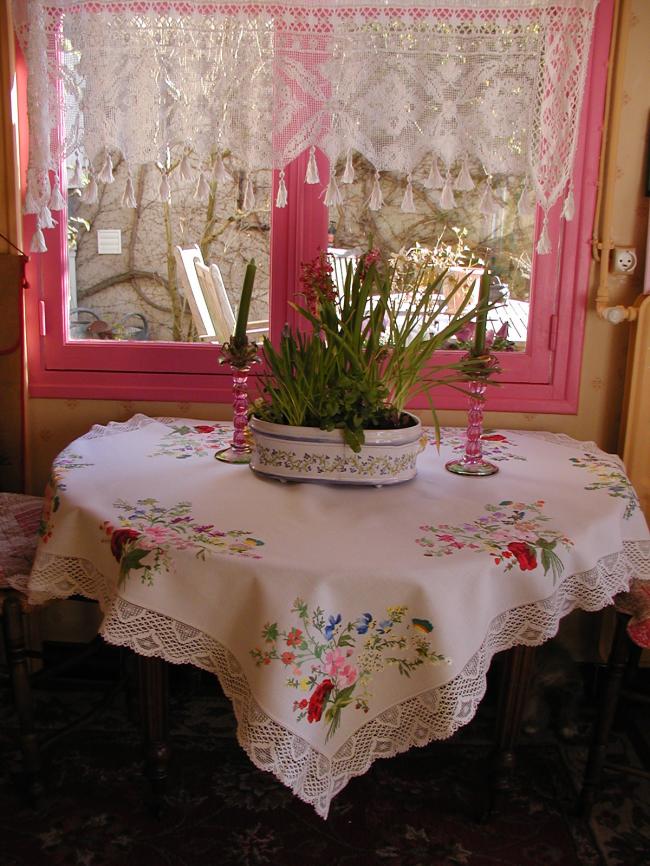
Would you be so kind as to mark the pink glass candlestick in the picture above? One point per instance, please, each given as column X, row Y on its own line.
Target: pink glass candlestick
column 472, row 462
column 239, row 450
column 240, row 355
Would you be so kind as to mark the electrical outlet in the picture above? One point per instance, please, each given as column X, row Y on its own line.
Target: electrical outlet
column 623, row 260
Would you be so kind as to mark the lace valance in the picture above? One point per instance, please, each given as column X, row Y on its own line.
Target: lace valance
column 474, row 88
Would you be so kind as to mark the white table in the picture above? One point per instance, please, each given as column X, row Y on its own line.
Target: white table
column 345, row 624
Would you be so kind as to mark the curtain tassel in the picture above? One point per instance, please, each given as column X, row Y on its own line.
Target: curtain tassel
column 249, row 195
column 38, row 244
column 312, row 168
column 89, row 195
column 434, row 179
column 164, row 190
column 77, row 178
column 202, row 190
column 281, row 198
column 376, row 198
column 45, row 220
column 31, row 205
column 128, row 197
column 106, row 173
column 464, row 182
column 408, row 205
column 219, row 171
column 57, row 202
column 544, row 242
column 348, row 173
column 525, row 207
column 333, row 197
column 487, row 204
column 185, row 172
column 569, row 207
column 447, row 200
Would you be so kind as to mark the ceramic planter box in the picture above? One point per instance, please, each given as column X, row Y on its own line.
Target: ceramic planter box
column 309, row 454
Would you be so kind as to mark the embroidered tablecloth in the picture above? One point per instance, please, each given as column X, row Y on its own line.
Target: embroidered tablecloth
column 345, row 624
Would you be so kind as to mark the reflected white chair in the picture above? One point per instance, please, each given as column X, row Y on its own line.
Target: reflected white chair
column 206, row 294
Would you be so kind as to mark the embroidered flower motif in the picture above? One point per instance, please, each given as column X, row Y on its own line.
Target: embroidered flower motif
column 331, row 625
column 363, row 622
column 200, row 440
column 317, row 700
column 514, row 534
column 148, row 532
column 610, row 477
column 294, row 638
column 66, row 461
column 495, row 446
column 525, row 555
column 119, row 539
column 340, row 675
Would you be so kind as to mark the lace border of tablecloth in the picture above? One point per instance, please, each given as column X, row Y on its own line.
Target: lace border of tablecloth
column 434, row 714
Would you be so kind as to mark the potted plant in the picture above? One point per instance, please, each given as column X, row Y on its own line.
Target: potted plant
column 333, row 398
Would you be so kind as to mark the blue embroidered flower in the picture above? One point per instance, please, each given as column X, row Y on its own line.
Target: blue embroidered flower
column 384, row 626
column 329, row 628
column 363, row 622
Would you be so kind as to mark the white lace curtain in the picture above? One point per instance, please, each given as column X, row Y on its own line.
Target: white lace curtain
column 478, row 88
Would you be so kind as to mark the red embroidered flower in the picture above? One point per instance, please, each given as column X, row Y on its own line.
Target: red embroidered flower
column 294, row 638
column 525, row 555
column 287, row 657
column 317, row 700
column 204, row 428
column 493, row 437
column 119, row 538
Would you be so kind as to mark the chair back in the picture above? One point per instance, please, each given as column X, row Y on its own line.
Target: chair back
column 216, row 300
column 186, row 260
column 20, row 518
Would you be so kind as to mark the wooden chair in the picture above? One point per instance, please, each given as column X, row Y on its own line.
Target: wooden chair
column 20, row 517
column 632, row 634
column 19, row 520
column 207, row 297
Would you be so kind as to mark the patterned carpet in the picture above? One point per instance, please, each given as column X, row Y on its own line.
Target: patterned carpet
column 416, row 810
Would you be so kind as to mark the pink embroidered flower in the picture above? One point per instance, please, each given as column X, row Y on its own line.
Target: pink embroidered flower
column 336, row 665
column 204, row 428
column 156, row 533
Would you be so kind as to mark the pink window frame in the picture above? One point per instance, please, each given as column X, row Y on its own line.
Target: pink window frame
column 543, row 378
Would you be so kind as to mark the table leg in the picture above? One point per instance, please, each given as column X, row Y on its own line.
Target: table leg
column 152, row 675
column 616, row 665
column 16, row 652
column 512, row 699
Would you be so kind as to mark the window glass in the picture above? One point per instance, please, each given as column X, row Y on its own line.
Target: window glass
column 123, row 277
column 498, row 216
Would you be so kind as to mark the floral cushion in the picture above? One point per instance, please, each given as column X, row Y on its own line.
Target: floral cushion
column 636, row 602
column 19, row 520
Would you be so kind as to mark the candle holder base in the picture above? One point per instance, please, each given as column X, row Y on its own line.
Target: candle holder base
column 467, row 467
column 230, row 455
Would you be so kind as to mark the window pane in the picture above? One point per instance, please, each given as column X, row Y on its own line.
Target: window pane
column 508, row 231
column 133, row 290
